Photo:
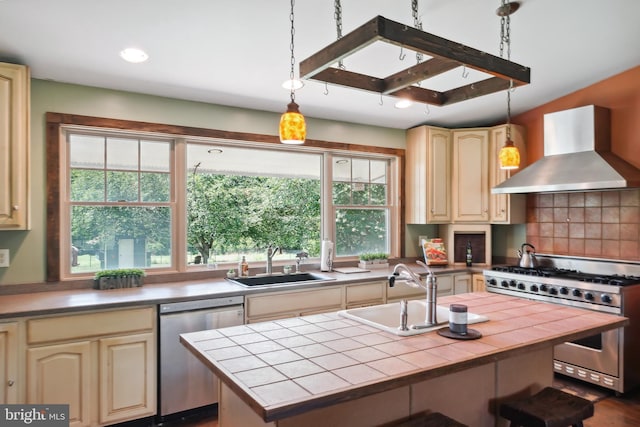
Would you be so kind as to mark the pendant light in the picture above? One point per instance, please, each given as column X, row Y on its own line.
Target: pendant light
column 293, row 129
column 509, row 155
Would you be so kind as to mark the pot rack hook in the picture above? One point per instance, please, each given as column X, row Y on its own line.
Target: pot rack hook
column 465, row 72
column 326, row 89
column 381, row 102
column 402, row 54
column 427, row 111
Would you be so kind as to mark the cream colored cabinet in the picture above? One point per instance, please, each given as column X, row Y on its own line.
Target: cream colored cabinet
column 470, row 175
column 361, row 295
column 478, row 283
column 505, row 208
column 445, row 284
column 278, row 305
column 462, row 283
column 103, row 364
column 9, row 362
column 428, row 175
column 14, row 147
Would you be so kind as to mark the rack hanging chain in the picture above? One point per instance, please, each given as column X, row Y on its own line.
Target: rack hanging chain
column 417, row 23
column 293, row 58
column 337, row 15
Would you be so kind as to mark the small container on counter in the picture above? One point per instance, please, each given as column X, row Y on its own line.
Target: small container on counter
column 458, row 318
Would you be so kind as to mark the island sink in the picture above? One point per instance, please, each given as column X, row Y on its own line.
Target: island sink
column 280, row 279
column 387, row 317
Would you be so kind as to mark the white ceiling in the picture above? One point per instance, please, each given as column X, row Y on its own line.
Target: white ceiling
column 234, row 52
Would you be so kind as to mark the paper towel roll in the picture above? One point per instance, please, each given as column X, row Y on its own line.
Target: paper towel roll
column 326, row 255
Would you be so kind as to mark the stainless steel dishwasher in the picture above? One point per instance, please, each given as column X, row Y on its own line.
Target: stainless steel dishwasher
column 185, row 383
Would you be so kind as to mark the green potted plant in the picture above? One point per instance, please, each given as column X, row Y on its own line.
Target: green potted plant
column 118, row 278
column 373, row 260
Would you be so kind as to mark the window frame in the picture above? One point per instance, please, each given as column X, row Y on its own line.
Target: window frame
column 57, row 176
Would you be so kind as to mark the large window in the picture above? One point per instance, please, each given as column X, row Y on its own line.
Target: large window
column 242, row 199
column 168, row 202
column 119, row 202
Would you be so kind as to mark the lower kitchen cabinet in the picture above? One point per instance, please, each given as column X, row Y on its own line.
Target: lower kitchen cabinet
column 462, row 283
column 478, row 283
column 103, row 364
column 279, row 305
column 365, row 294
column 9, row 362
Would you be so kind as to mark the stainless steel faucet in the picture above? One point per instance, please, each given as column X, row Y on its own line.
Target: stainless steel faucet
column 271, row 251
column 408, row 277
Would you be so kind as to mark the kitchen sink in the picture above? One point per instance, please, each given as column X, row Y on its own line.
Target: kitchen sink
column 387, row 317
column 280, row 279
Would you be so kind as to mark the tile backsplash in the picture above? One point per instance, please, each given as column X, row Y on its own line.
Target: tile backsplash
column 599, row 224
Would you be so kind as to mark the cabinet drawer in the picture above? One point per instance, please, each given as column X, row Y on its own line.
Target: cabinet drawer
column 296, row 301
column 365, row 292
column 87, row 325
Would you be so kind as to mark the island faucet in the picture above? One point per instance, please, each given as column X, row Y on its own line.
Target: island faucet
column 271, row 251
column 403, row 273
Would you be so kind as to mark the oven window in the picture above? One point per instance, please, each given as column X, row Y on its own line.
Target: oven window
column 594, row 342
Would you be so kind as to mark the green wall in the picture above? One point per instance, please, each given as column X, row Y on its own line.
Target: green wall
column 28, row 248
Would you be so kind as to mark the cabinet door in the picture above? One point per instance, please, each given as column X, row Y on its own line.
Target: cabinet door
column 471, row 175
column 478, row 283
column 8, row 363
column 505, row 208
column 428, row 175
column 127, row 372
column 461, row 283
column 445, row 284
column 14, row 147
column 61, row 374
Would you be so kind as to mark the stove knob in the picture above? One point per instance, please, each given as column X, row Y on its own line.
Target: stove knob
column 492, row 282
column 521, row 286
column 564, row 290
column 589, row 296
column 576, row 293
column 512, row 283
column 544, row 288
column 504, row 284
column 606, row 298
column 553, row 291
column 534, row 288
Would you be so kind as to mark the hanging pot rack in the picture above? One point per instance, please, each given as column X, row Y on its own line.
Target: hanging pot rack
column 445, row 55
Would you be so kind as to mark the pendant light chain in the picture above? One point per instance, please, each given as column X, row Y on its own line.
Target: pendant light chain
column 291, row 46
column 505, row 38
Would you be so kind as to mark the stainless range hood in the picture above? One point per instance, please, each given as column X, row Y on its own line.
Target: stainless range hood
column 577, row 157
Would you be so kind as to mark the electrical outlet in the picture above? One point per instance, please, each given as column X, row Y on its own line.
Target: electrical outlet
column 4, row 257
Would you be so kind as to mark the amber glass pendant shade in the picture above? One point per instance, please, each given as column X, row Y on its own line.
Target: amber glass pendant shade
column 293, row 129
column 509, row 156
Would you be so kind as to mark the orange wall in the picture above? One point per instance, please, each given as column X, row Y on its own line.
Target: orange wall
column 620, row 93
column 594, row 224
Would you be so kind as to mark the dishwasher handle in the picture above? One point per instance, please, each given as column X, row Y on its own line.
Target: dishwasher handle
column 174, row 307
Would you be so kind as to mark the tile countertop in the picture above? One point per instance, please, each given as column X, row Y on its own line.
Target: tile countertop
column 286, row 367
column 64, row 301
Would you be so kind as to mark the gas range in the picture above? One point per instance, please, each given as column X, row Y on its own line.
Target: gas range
column 593, row 284
column 610, row 359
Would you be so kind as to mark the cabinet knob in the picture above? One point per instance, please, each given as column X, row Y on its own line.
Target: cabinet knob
column 10, row 383
column 15, row 207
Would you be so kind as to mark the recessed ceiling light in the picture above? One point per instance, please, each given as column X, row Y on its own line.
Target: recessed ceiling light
column 292, row 84
column 134, row 55
column 404, row 103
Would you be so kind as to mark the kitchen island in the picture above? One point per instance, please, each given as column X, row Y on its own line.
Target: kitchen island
column 324, row 369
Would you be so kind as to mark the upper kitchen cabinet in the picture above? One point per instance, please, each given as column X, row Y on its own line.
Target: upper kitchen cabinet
column 505, row 208
column 428, row 176
column 470, row 178
column 14, row 147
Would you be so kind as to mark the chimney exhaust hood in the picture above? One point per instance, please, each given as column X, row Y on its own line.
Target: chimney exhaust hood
column 577, row 157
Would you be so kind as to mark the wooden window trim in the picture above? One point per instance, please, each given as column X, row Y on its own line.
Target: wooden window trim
column 55, row 121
